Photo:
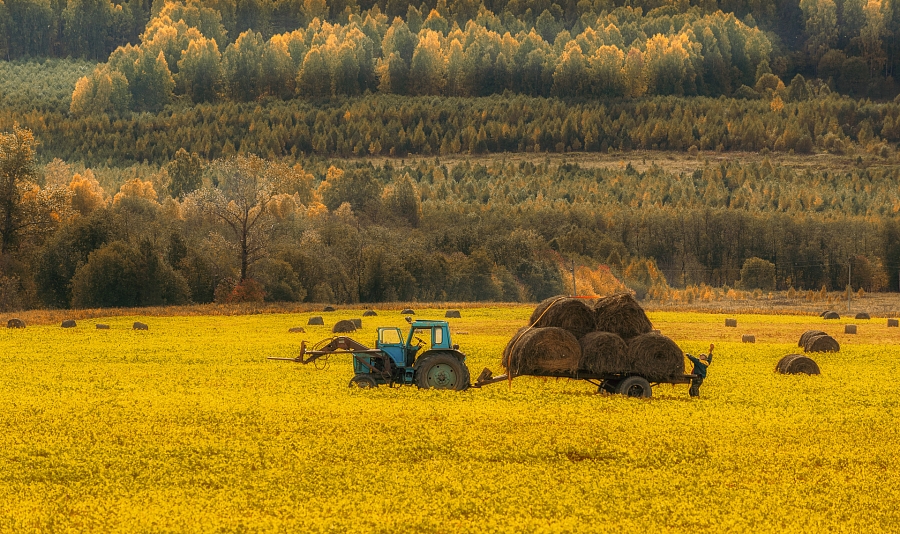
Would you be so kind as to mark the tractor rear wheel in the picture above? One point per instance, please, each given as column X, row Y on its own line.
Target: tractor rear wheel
column 442, row 371
column 363, row 381
column 635, row 386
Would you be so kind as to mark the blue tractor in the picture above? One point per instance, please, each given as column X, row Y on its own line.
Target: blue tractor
column 425, row 357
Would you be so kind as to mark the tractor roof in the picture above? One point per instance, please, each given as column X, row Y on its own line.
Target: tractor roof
column 424, row 323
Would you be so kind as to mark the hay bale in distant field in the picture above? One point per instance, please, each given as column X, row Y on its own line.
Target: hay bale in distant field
column 328, row 309
column 824, row 343
column 407, row 311
column 603, row 352
column 139, row 326
column 622, row 315
column 453, row 314
column 748, row 338
column 893, row 323
column 15, row 323
column 343, row 326
column 357, row 323
column 549, row 349
column 317, row 320
column 731, row 322
column 849, row 328
column 102, row 326
column 862, row 315
column 369, row 313
column 68, row 323
column 655, row 357
column 793, row 364
column 824, row 313
column 297, row 330
column 831, row 315
column 564, row 312
column 804, row 337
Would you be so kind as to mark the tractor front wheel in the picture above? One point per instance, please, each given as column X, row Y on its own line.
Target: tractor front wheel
column 363, row 381
column 442, row 371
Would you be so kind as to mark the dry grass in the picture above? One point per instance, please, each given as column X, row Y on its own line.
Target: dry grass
column 670, row 161
column 45, row 317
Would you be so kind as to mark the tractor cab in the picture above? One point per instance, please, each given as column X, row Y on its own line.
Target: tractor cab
column 423, row 336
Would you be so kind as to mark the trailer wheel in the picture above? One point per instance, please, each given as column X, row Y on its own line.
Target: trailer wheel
column 441, row 371
column 363, row 381
column 635, row 386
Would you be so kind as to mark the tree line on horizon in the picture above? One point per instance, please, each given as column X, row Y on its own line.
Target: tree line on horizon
column 628, row 54
column 243, row 229
column 816, row 38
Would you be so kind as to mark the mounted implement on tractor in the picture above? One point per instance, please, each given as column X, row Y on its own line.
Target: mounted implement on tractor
column 433, row 362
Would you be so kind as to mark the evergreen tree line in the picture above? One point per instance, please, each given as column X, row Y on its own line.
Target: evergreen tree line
column 816, row 38
column 244, row 228
column 626, row 55
column 790, row 118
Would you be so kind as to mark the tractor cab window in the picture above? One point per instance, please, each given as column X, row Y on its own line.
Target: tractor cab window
column 421, row 337
column 389, row 336
column 437, row 336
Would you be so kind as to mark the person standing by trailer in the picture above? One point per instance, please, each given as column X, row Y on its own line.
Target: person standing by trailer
column 700, row 366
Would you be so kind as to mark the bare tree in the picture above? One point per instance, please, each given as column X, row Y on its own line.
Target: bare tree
column 241, row 194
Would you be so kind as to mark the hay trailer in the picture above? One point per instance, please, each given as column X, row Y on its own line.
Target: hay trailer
column 397, row 359
column 630, row 385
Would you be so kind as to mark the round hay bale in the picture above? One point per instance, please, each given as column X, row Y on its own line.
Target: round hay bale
column 824, row 313
column 68, row 323
column 297, row 330
column 849, row 328
column 862, row 315
column 831, row 315
column 603, row 352
column 344, row 325
column 407, row 311
column 622, row 315
column 453, row 314
column 101, row 326
column 893, row 323
column 655, row 357
column 140, row 326
column 357, row 323
column 328, row 309
column 731, row 323
column 369, row 313
column 15, row 323
column 823, row 343
column 793, row 364
column 748, row 338
column 549, row 349
column 804, row 337
column 317, row 320
column 564, row 312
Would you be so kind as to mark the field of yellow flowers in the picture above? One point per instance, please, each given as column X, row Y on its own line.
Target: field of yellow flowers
column 188, row 428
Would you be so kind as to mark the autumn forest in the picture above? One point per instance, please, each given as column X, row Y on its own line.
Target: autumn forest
column 165, row 152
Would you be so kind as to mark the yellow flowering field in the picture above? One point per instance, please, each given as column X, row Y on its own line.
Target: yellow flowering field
column 188, row 427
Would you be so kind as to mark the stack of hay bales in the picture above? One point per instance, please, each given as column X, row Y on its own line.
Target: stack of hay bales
column 614, row 336
column 818, row 341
